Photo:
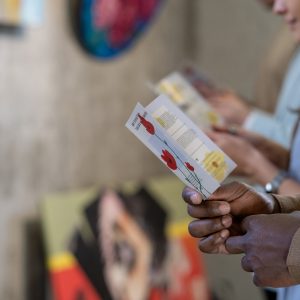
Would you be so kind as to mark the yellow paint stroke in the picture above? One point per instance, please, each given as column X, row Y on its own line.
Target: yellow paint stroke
column 61, row 261
column 178, row 229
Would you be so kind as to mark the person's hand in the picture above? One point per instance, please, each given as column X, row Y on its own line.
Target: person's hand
column 230, row 106
column 219, row 217
column 275, row 153
column 266, row 246
column 251, row 163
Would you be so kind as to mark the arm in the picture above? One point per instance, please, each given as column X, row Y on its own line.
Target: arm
column 251, row 162
column 288, row 204
column 275, row 152
column 279, row 130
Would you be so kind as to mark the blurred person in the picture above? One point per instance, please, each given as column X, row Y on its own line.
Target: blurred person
column 280, row 125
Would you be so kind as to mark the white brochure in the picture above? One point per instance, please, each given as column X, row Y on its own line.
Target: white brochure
column 181, row 145
column 187, row 98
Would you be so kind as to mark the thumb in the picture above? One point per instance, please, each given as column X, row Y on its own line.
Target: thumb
column 230, row 191
column 235, row 244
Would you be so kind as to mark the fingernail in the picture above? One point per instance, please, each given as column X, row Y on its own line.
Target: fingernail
column 226, row 221
column 224, row 208
column 195, row 198
column 224, row 234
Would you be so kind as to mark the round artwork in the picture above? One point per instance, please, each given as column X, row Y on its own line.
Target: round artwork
column 106, row 28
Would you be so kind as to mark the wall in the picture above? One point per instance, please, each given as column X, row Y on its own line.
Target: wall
column 232, row 38
column 62, row 117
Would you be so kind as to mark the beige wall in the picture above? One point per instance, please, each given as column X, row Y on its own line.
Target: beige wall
column 62, row 116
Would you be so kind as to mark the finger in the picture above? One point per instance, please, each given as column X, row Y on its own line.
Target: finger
column 232, row 129
column 220, row 128
column 248, row 223
column 235, row 244
column 230, row 191
column 191, row 196
column 209, row 209
column 256, row 280
column 246, row 264
column 213, row 135
column 204, row 227
column 214, row 243
column 272, row 277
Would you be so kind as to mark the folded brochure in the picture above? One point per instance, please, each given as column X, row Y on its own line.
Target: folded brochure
column 184, row 95
column 181, row 145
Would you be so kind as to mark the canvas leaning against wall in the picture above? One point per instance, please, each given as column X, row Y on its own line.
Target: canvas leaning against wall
column 131, row 244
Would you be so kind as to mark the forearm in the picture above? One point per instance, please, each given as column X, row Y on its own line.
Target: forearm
column 277, row 154
column 293, row 261
column 270, row 127
column 265, row 172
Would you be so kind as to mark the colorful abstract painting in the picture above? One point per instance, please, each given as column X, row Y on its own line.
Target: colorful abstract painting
column 106, row 28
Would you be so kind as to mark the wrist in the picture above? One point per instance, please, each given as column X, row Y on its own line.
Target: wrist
column 272, row 205
column 274, row 185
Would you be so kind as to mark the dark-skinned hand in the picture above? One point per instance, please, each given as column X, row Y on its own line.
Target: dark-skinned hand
column 266, row 244
column 219, row 217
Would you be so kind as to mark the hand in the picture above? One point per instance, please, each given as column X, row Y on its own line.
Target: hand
column 275, row 153
column 230, row 106
column 266, row 245
column 220, row 216
column 250, row 162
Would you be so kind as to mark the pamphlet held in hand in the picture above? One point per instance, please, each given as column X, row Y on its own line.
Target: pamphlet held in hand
column 180, row 144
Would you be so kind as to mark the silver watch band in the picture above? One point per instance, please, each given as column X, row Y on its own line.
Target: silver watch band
column 273, row 186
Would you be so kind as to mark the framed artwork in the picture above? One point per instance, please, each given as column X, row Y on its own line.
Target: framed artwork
column 106, row 28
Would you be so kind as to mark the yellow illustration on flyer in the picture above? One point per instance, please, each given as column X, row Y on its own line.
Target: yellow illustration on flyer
column 214, row 163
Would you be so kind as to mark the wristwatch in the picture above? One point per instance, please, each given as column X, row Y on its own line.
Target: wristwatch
column 273, row 186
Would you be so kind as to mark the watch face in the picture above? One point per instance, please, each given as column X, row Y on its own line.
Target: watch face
column 106, row 28
column 269, row 187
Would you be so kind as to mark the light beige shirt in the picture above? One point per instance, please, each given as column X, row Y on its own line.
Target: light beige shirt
column 290, row 204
